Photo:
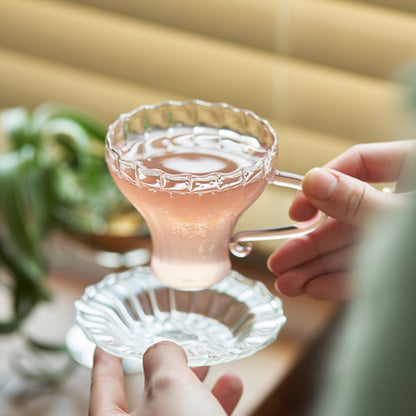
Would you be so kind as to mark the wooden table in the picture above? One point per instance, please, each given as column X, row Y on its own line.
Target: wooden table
column 262, row 374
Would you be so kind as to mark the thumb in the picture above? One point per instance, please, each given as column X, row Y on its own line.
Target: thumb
column 345, row 198
column 164, row 359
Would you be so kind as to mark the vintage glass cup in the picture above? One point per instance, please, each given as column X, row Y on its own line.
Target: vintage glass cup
column 191, row 169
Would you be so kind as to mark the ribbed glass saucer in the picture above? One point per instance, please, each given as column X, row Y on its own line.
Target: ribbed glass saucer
column 127, row 312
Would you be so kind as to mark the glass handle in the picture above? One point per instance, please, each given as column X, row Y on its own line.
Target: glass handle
column 240, row 244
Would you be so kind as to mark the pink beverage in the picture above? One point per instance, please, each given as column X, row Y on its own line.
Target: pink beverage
column 191, row 185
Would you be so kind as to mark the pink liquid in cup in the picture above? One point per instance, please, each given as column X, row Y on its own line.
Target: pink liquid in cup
column 191, row 185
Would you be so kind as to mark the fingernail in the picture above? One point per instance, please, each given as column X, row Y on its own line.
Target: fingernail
column 319, row 184
column 276, row 287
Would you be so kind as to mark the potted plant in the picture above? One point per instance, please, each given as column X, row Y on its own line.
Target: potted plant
column 52, row 174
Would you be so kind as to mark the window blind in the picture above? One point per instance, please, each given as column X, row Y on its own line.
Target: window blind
column 325, row 73
column 350, row 35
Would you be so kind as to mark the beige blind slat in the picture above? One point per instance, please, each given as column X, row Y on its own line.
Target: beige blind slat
column 252, row 23
column 355, row 37
column 343, row 104
column 404, row 5
column 28, row 80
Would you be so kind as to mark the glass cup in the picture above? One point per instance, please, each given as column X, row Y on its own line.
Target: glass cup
column 191, row 169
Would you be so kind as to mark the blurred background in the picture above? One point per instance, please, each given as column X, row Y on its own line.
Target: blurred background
column 324, row 72
column 327, row 74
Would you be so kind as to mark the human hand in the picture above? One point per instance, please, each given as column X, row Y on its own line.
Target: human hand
column 171, row 387
column 319, row 263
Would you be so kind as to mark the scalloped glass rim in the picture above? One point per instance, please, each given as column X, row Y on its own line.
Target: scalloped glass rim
column 127, row 312
column 241, row 122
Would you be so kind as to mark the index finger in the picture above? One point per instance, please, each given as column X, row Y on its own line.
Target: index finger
column 369, row 162
column 375, row 162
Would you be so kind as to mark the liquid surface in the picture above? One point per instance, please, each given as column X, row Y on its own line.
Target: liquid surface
column 198, row 150
column 186, row 162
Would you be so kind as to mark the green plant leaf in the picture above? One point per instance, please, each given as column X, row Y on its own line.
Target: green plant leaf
column 54, row 175
column 16, row 122
column 95, row 128
column 24, row 204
